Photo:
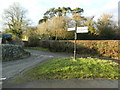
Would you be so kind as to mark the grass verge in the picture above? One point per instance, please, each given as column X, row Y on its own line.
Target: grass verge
column 67, row 68
column 37, row 48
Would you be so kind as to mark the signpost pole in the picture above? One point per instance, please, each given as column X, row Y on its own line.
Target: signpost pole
column 75, row 46
column 77, row 30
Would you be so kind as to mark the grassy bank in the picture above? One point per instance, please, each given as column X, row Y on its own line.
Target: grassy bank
column 67, row 68
column 37, row 48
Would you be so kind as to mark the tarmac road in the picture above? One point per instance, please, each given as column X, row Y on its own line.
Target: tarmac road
column 97, row 83
column 12, row 68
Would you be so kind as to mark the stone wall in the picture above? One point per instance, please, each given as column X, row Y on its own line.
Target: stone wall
column 13, row 52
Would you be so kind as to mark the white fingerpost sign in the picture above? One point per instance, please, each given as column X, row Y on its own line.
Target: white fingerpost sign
column 82, row 30
column 71, row 29
column 79, row 29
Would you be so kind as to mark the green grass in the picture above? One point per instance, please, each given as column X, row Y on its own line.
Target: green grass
column 37, row 48
column 67, row 68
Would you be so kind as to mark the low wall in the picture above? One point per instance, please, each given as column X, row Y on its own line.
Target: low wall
column 13, row 52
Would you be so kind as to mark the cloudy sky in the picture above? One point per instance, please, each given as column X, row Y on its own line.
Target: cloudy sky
column 36, row 8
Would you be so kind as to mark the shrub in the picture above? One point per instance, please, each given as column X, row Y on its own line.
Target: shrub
column 33, row 41
column 106, row 33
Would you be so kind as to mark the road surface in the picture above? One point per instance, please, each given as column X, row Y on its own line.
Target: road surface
column 12, row 68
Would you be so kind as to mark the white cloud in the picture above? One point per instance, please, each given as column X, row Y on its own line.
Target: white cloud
column 110, row 8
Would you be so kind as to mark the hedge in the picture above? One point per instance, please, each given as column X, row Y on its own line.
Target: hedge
column 107, row 48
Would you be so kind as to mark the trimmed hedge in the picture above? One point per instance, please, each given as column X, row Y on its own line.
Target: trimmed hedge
column 107, row 48
column 13, row 52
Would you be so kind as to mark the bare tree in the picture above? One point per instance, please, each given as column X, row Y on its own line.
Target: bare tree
column 105, row 19
column 55, row 28
column 15, row 19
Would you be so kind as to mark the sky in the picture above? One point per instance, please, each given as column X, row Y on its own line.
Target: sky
column 36, row 8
